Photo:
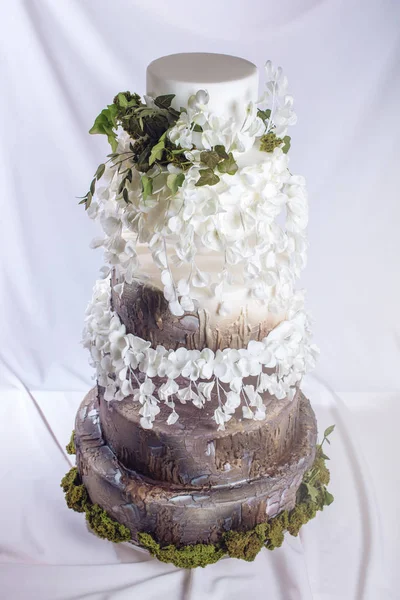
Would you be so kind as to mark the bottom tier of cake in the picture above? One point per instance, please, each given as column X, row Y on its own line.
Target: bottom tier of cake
column 159, row 514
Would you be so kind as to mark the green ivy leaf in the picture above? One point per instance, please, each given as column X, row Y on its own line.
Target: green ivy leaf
column 100, row 170
column 157, row 150
column 147, row 186
column 328, row 498
column 164, row 101
column 105, row 122
column 93, row 186
column 220, row 150
column 88, row 200
column 210, row 158
column 311, row 491
column 122, row 100
column 264, row 114
column 228, row 165
column 125, row 195
column 328, row 430
column 197, row 128
column 286, row 144
column 207, row 177
column 121, row 186
column 174, row 181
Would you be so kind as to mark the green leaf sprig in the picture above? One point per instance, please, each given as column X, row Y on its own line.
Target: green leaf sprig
column 312, row 485
column 270, row 141
column 151, row 150
column 216, row 158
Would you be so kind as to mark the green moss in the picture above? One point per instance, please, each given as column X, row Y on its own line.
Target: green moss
column 75, row 492
column 269, row 142
column 105, row 527
column 187, row 557
column 245, row 544
column 312, row 496
column 275, row 533
column 78, row 499
column 70, row 447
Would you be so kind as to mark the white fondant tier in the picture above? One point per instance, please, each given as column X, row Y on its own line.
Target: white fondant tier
column 231, row 82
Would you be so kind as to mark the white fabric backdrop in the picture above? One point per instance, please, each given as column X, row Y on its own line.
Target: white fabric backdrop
column 60, row 63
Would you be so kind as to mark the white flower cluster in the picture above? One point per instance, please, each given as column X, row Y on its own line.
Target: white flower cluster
column 126, row 364
column 215, row 130
column 256, row 219
column 278, row 101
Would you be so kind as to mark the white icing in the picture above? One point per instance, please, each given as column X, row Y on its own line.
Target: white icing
column 231, row 82
column 236, row 296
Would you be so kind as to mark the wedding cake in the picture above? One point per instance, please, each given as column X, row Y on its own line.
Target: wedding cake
column 196, row 441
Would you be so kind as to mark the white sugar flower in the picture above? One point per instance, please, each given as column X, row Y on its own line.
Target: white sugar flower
column 221, row 418
column 173, row 417
column 226, row 365
column 205, row 389
column 247, row 412
column 168, row 389
column 253, row 396
column 233, row 401
column 177, row 360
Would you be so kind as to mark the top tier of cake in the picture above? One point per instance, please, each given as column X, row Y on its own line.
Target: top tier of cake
column 199, row 202
column 231, row 82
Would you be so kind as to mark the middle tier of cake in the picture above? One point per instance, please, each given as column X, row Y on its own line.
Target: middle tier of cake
column 192, row 451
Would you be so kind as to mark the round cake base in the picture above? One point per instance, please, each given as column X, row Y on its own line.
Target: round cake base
column 180, row 514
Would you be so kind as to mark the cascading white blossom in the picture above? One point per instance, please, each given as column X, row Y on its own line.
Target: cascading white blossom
column 255, row 218
column 120, row 357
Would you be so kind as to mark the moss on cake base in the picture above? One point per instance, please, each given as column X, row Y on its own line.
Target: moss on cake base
column 70, row 447
column 312, row 496
column 98, row 520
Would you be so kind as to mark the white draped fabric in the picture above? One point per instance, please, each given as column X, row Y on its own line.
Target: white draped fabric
column 61, row 62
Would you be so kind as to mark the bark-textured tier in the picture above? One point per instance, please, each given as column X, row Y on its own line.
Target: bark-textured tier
column 192, row 451
column 144, row 311
column 179, row 514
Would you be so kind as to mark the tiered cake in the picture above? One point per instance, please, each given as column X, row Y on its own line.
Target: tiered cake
column 196, row 441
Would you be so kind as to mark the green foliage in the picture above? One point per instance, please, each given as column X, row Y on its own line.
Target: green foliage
column 106, row 123
column 219, row 158
column 210, row 158
column 78, row 499
column 157, row 151
column 246, row 544
column 187, row 557
column 148, row 127
column 147, row 186
column 275, row 533
column 228, row 165
column 265, row 115
column 174, row 181
column 75, row 492
column 269, row 142
column 70, row 447
column 164, row 101
column 207, row 177
column 105, row 527
column 286, row 144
